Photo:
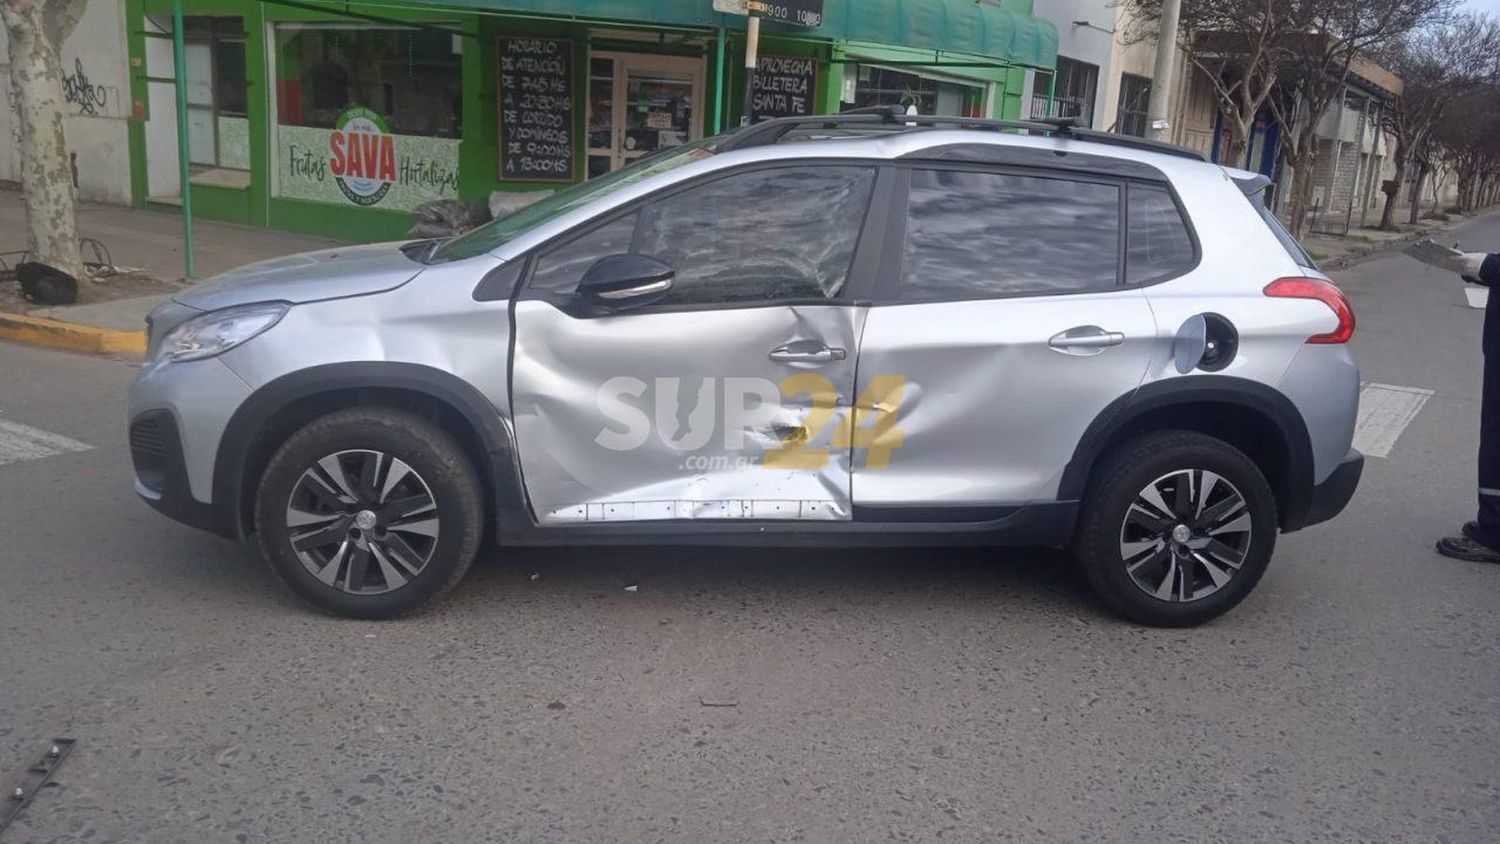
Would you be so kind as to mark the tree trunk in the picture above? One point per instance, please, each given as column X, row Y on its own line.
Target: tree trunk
column 1234, row 151
column 1303, row 159
column 46, row 176
column 1416, row 193
column 1388, row 213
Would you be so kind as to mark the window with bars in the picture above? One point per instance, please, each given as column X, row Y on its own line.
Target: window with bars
column 1135, row 95
column 1077, row 83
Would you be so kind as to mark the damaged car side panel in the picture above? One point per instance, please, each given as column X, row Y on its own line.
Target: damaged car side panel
column 684, row 415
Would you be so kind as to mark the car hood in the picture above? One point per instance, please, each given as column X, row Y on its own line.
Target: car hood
column 306, row 277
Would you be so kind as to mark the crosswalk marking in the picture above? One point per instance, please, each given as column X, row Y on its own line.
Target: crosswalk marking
column 1384, row 412
column 22, row 442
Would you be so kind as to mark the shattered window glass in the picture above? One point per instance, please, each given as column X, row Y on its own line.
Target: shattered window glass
column 762, row 235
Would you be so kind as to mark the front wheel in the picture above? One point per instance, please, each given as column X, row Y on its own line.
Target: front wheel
column 369, row 512
column 1177, row 528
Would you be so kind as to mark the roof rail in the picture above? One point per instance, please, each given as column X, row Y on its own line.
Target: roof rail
column 890, row 118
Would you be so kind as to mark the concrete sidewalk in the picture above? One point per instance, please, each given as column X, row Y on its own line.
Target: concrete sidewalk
column 152, row 242
column 1337, row 251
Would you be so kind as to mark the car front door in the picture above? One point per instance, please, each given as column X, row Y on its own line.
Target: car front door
column 1005, row 323
column 718, row 400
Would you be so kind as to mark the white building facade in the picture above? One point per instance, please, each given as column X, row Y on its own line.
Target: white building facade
column 1085, row 50
column 96, row 86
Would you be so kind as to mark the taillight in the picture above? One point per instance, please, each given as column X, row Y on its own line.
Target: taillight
column 1325, row 292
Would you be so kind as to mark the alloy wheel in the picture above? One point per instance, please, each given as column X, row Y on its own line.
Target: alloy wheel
column 362, row 521
column 1185, row 535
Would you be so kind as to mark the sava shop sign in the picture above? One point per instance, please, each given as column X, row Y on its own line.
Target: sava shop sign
column 361, row 162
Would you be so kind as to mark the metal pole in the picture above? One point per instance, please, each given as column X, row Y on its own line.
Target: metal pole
column 179, row 63
column 719, row 85
column 752, row 49
column 1052, row 92
column 1161, row 81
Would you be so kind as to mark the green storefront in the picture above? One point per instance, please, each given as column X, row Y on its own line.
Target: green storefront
column 339, row 120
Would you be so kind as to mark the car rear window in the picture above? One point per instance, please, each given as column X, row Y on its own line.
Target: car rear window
column 1157, row 242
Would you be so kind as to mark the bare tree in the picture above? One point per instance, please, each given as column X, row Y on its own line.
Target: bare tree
column 1469, row 132
column 1437, row 65
column 37, row 28
column 1315, row 69
column 1235, row 44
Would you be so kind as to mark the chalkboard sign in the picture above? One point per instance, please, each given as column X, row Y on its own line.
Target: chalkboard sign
column 783, row 86
column 536, row 109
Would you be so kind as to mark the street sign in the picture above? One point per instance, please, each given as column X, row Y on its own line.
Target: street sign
column 795, row 12
column 732, row 7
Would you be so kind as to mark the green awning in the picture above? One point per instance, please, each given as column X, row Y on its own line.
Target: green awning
column 952, row 26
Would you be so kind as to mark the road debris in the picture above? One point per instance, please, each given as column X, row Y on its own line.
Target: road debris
column 32, row 781
column 718, row 701
column 634, row 587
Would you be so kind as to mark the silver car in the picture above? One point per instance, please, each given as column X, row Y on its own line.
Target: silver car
column 870, row 328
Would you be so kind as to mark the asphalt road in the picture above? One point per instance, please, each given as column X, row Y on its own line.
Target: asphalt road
column 878, row 695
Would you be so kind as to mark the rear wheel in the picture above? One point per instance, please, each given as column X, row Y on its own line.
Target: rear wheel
column 1177, row 528
column 369, row 512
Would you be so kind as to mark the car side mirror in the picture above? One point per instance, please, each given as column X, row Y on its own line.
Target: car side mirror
column 626, row 280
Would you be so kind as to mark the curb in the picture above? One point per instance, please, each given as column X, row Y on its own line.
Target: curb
column 71, row 335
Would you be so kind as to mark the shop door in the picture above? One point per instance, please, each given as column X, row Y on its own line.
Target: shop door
column 639, row 104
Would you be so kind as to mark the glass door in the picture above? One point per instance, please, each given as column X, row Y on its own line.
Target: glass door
column 639, row 104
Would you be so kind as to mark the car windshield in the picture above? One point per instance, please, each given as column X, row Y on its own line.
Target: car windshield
column 492, row 234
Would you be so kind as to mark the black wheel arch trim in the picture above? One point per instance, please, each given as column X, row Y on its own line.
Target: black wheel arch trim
column 235, row 445
column 1293, row 501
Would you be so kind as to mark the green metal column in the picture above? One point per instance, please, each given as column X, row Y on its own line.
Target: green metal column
column 719, row 85
column 179, row 63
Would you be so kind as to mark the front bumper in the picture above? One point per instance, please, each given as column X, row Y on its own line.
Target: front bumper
column 161, row 476
column 1331, row 496
column 177, row 414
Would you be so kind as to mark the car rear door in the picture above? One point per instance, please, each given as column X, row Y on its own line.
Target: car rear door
column 718, row 401
column 1003, row 325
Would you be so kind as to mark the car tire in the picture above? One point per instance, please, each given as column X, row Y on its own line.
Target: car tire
column 1177, row 527
column 369, row 512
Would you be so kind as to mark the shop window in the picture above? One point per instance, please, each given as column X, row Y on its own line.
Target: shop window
column 217, row 100
column 411, row 77
column 1074, row 94
column 975, row 235
column 1135, row 96
column 875, row 85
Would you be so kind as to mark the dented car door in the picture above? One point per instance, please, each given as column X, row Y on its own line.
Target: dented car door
column 720, row 397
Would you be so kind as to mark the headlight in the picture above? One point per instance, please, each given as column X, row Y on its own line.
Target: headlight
column 218, row 332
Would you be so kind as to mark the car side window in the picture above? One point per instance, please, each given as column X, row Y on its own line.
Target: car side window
column 559, row 269
column 760, row 235
column 1157, row 240
column 973, row 235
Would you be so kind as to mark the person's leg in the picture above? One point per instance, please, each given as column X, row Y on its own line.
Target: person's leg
column 1481, row 538
column 1489, row 451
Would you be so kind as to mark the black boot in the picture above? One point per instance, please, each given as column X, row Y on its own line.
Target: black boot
column 1468, row 548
